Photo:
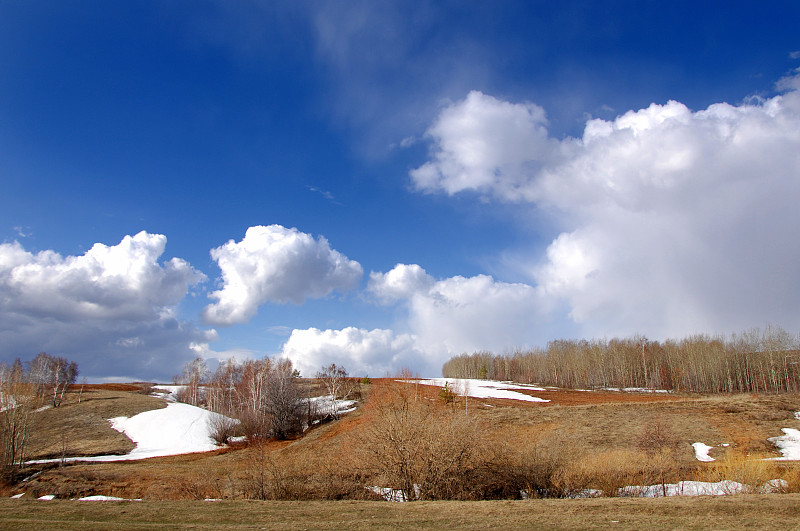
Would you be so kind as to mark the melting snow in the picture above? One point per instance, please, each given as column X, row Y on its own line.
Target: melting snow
column 485, row 388
column 701, row 452
column 788, row 444
column 175, row 429
column 325, row 405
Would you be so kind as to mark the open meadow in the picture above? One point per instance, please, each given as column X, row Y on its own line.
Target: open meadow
column 509, row 462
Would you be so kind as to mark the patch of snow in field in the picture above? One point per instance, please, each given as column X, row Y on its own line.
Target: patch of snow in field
column 173, row 430
column 485, row 388
column 167, row 392
column 393, row 495
column 701, row 452
column 686, row 488
column 106, row 498
column 788, row 444
column 46, row 497
column 17, row 496
column 325, row 405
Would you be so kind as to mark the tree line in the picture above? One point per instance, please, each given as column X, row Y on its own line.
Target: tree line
column 23, row 389
column 756, row 361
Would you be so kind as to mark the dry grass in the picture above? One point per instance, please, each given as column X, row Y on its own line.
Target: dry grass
column 718, row 513
column 82, row 428
column 537, row 441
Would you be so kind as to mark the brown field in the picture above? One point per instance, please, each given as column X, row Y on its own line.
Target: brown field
column 763, row 512
column 320, row 466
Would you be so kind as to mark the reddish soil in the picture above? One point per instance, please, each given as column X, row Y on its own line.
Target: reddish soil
column 570, row 397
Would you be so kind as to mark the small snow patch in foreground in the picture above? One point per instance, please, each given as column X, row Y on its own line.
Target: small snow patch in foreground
column 46, row 497
column 701, row 452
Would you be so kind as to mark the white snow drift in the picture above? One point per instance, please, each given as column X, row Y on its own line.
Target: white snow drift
column 485, row 388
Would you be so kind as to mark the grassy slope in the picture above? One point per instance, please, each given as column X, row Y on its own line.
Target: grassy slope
column 584, row 422
column 82, row 428
column 718, row 513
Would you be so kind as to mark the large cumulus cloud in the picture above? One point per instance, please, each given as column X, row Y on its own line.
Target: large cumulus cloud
column 276, row 264
column 111, row 309
column 375, row 352
column 462, row 314
column 670, row 221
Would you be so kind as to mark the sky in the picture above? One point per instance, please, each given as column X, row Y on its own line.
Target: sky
column 384, row 185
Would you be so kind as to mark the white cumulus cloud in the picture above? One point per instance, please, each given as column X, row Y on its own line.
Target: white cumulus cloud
column 671, row 221
column 362, row 352
column 462, row 314
column 112, row 306
column 276, row 264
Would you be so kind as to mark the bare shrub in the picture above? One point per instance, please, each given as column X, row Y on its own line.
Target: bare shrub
column 425, row 451
column 660, row 444
column 266, row 478
column 222, row 428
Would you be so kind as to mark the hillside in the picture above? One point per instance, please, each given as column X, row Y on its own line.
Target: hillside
column 330, row 460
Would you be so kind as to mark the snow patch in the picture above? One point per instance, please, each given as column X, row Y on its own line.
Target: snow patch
column 788, row 444
column 326, row 405
column 393, row 495
column 701, row 452
column 176, row 429
column 484, row 388
column 46, row 497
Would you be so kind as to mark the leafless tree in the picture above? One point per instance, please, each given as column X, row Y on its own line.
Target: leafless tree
column 194, row 374
column 337, row 384
column 52, row 376
column 283, row 400
column 17, row 399
column 753, row 361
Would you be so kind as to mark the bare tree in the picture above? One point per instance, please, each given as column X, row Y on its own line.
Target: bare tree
column 283, row 400
column 337, row 384
column 194, row 374
column 17, row 397
column 52, row 376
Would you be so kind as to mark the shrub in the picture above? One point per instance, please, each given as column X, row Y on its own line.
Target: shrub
column 754, row 472
column 607, row 472
column 423, row 450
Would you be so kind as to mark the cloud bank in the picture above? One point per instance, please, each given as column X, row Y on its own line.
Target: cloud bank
column 276, row 264
column 111, row 309
column 672, row 221
column 375, row 352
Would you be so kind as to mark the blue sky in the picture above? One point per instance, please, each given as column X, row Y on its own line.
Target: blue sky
column 387, row 184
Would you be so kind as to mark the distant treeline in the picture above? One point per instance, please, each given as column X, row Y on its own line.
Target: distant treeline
column 758, row 361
